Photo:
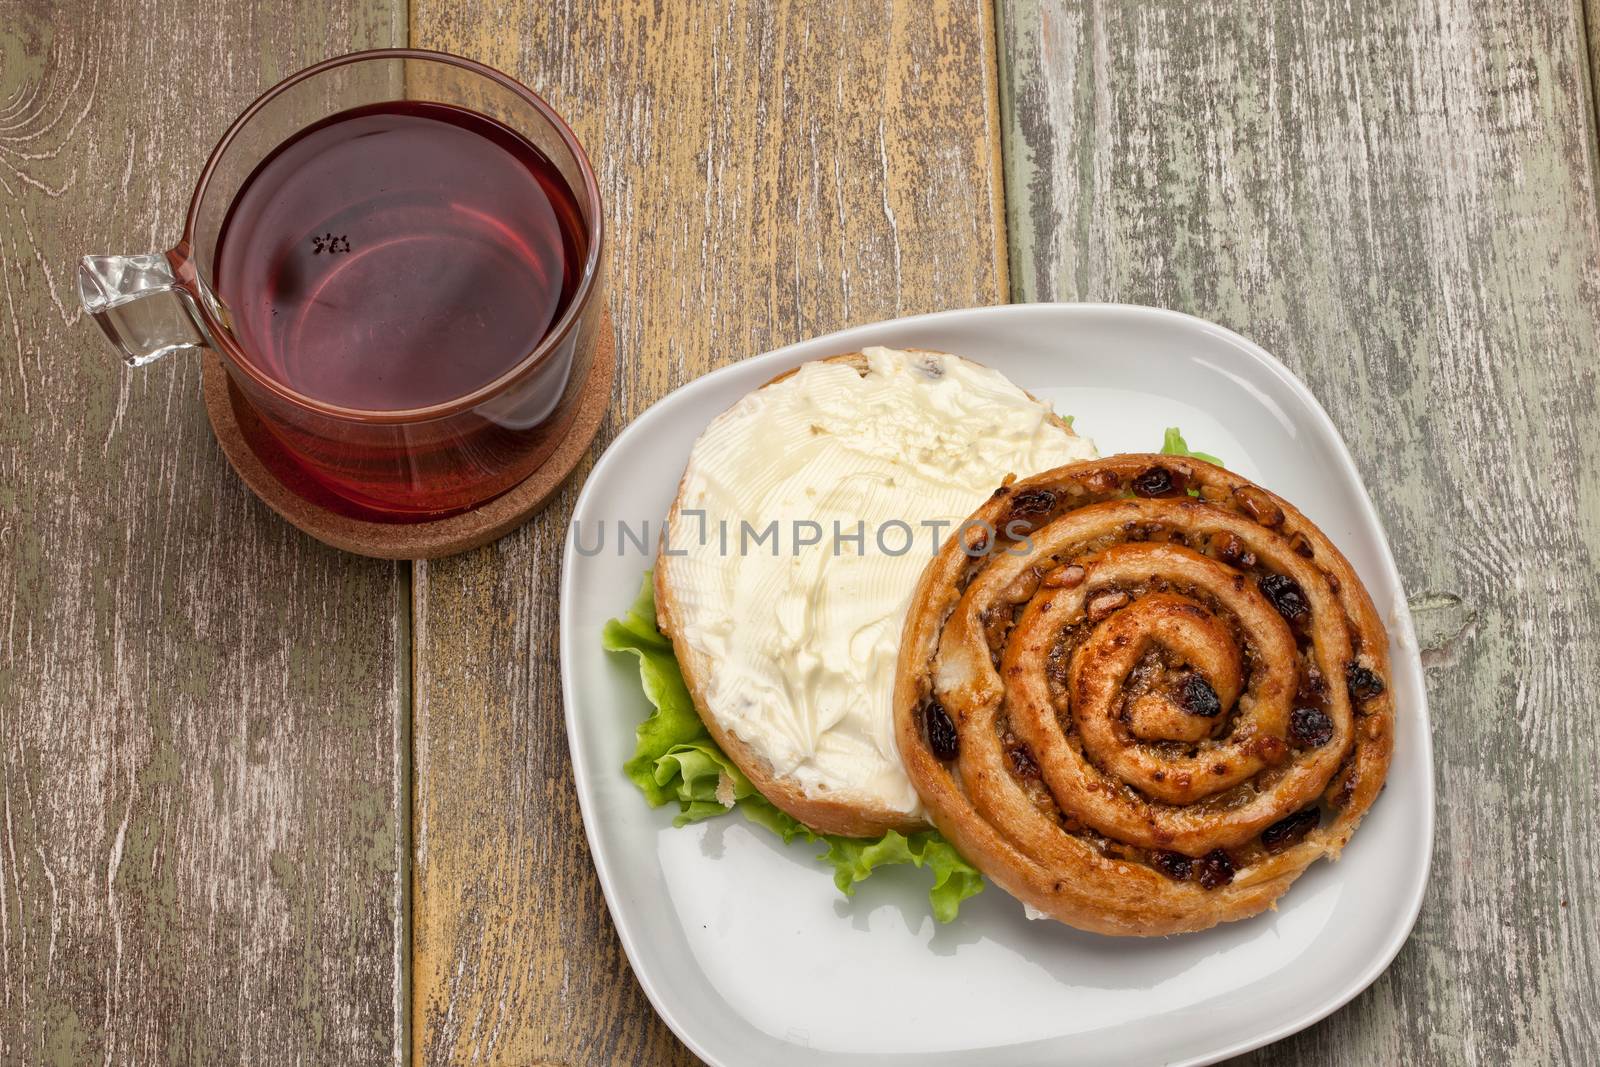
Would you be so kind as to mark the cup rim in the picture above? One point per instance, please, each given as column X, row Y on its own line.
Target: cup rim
column 553, row 338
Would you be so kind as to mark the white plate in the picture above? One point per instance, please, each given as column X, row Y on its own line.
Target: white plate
column 744, row 946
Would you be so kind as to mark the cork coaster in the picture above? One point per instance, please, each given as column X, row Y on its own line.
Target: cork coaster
column 416, row 540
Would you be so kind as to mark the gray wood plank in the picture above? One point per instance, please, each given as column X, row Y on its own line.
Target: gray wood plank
column 1398, row 200
column 202, row 712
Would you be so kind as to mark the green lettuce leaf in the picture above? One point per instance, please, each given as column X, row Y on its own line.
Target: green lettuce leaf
column 675, row 759
column 954, row 879
column 763, row 812
column 1174, row 445
column 855, row 858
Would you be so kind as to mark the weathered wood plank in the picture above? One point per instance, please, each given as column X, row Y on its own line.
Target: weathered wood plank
column 772, row 170
column 201, row 754
column 1399, row 201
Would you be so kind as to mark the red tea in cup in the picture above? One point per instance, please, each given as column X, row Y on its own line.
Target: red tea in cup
column 395, row 255
column 398, row 256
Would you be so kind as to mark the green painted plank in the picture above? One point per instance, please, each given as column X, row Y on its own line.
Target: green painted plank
column 202, row 712
column 1399, row 201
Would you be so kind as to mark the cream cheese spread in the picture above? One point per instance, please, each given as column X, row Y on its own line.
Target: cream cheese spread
column 807, row 513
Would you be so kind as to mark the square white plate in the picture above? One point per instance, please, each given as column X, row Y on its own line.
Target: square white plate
column 744, row 946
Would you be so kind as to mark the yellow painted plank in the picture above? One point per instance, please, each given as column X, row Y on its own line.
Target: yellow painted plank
column 772, row 170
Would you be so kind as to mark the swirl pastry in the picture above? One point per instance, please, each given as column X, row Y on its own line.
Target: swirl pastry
column 1143, row 694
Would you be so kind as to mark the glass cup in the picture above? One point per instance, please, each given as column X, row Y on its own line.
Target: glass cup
column 386, row 465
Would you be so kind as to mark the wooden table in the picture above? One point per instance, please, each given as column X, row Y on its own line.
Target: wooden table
column 264, row 803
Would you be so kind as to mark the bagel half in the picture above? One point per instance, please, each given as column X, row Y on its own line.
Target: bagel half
column 810, row 726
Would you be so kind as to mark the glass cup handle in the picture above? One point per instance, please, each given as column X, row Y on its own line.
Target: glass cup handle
column 125, row 296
